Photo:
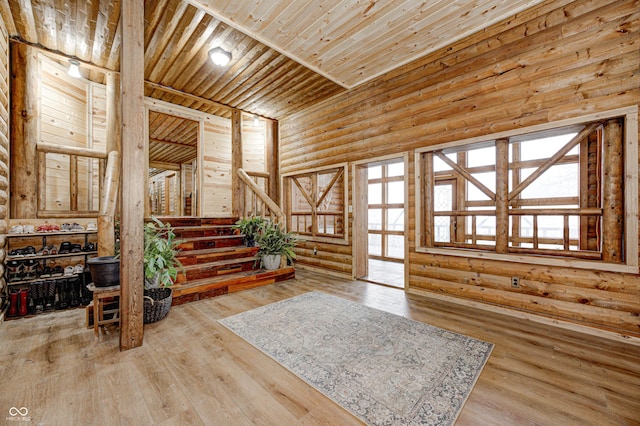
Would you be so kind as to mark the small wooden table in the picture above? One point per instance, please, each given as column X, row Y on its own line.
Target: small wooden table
column 99, row 294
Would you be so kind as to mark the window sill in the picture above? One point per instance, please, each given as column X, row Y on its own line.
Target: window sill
column 533, row 260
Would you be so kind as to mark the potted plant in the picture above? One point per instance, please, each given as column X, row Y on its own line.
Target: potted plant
column 250, row 227
column 161, row 266
column 274, row 243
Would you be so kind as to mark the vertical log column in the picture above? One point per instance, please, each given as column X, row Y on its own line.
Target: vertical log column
column 237, row 194
column 502, row 195
column 110, row 190
column 133, row 175
column 612, row 193
column 273, row 155
column 24, row 131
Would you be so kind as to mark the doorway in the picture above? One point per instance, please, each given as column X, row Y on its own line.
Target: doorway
column 381, row 215
column 173, row 151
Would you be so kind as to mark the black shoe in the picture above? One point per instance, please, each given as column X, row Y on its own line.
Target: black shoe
column 61, row 303
column 74, row 285
column 49, row 294
column 65, row 248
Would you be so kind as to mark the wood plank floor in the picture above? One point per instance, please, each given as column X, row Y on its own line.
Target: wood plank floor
column 191, row 370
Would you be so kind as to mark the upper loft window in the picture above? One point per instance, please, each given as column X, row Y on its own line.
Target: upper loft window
column 554, row 193
column 315, row 203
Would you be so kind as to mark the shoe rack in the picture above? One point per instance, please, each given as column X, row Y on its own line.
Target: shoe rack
column 35, row 267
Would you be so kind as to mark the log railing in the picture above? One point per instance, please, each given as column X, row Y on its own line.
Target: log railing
column 256, row 200
column 108, row 201
column 474, row 238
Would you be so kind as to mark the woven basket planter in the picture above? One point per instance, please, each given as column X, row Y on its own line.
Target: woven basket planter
column 157, row 302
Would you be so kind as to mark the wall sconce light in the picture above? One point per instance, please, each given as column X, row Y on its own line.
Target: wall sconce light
column 256, row 121
column 74, row 68
column 219, row 56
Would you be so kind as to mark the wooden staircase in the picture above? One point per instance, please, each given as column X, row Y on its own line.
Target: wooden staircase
column 215, row 260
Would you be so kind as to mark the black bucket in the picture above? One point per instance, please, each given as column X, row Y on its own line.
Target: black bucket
column 105, row 271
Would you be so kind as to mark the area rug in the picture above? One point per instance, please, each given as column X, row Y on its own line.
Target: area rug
column 383, row 368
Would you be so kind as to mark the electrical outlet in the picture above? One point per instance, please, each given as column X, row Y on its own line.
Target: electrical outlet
column 515, row 282
column 315, row 251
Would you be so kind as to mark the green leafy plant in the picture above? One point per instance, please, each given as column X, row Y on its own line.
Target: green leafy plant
column 272, row 239
column 250, row 227
column 161, row 264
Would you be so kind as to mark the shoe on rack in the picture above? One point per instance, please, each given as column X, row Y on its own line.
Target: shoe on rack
column 30, row 251
column 76, row 227
column 16, row 229
column 15, row 269
column 24, row 302
column 49, row 294
column 74, row 289
column 65, row 248
column 28, row 229
column 37, row 294
column 78, row 269
column 53, row 249
column 29, row 267
column 91, row 226
column 62, row 301
column 66, row 227
column 89, row 247
column 44, row 251
column 46, row 272
column 68, row 271
column 76, row 248
column 57, row 271
column 14, row 294
column 17, row 253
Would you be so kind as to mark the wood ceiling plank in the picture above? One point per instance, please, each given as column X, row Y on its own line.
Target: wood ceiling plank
column 175, row 45
column 86, row 16
column 44, row 12
column 24, row 10
column 106, row 22
column 196, row 43
column 153, row 12
column 7, row 17
column 164, row 33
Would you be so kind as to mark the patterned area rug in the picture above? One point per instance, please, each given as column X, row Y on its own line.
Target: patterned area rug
column 383, row 368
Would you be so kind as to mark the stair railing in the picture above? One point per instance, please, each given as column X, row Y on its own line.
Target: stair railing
column 108, row 200
column 260, row 204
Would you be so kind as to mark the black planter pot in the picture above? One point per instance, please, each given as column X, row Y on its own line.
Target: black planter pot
column 105, row 271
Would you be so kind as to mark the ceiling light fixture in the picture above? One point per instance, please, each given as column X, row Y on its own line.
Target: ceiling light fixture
column 74, row 68
column 256, row 121
column 219, row 56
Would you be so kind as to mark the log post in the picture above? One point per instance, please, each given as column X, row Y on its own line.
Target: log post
column 502, row 196
column 108, row 200
column 612, row 193
column 272, row 154
column 237, row 195
column 133, row 175
column 24, row 131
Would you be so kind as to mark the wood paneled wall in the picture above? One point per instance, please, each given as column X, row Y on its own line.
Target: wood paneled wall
column 4, row 147
column 253, row 145
column 558, row 60
column 217, row 167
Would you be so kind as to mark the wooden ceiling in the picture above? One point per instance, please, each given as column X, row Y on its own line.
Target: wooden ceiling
column 172, row 139
column 352, row 42
column 287, row 54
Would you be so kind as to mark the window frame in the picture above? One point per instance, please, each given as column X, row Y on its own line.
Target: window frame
column 629, row 115
column 287, row 185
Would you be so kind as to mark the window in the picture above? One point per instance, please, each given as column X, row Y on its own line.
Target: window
column 558, row 192
column 71, row 148
column 315, row 203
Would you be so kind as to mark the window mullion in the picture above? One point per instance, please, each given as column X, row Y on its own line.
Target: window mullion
column 502, row 195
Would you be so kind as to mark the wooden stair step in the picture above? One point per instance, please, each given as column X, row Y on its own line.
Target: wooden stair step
column 207, row 242
column 196, row 221
column 193, row 257
column 211, row 269
column 216, row 286
column 202, row 231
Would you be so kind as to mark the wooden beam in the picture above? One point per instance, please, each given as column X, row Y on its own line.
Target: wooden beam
column 465, row 174
column 612, row 193
column 502, row 195
column 24, row 131
column 69, row 150
column 108, row 201
column 114, row 137
column 237, row 196
column 133, row 175
column 553, row 160
column 272, row 159
column 164, row 166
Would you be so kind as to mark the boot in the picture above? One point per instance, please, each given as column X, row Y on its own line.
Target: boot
column 87, row 295
column 37, row 292
column 74, row 284
column 49, row 294
column 13, row 302
column 24, row 301
column 61, row 303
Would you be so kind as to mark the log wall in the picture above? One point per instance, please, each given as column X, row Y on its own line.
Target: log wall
column 4, row 148
column 558, row 60
column 253, row 145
